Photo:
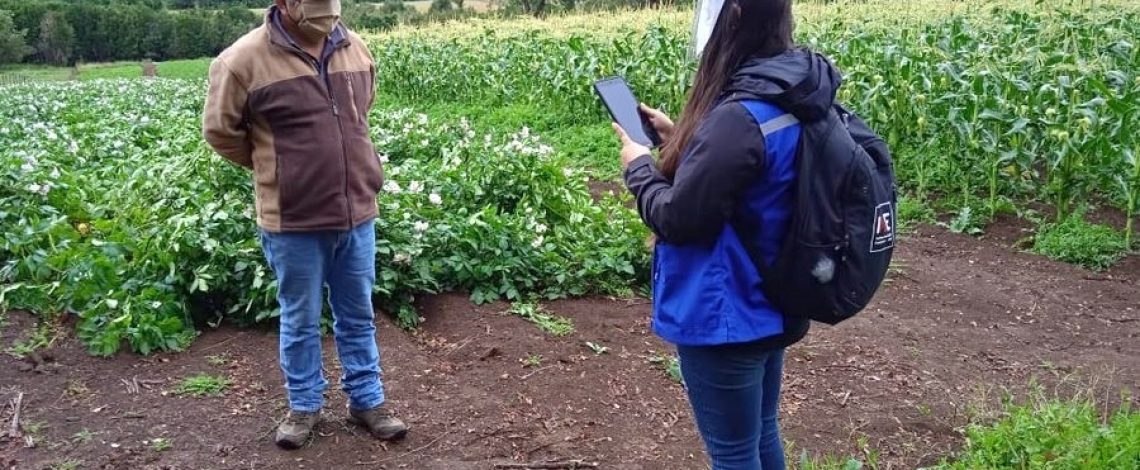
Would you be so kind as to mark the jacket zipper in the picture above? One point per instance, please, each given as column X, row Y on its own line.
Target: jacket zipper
column 344, row 159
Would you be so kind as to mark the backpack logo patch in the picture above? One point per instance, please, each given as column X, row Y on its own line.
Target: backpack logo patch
column 883, row 237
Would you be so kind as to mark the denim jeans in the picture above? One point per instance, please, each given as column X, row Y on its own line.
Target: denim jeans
column 305, row 264
column 735, row 394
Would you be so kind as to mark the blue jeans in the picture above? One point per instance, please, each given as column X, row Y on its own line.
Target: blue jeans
column 345, row 262
column 735, row 394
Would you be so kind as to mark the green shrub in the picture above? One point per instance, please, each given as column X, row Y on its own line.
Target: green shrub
column 912, row 212
column 1082, row 243
column 1058, row 435
column 111, row 206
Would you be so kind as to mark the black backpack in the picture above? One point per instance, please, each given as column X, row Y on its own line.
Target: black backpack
column 841, row 238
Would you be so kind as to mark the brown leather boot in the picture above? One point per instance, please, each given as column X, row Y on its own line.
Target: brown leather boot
column 294, row 432
column 380, row 422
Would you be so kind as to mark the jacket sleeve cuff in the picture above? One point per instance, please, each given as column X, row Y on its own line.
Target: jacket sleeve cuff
column 639, row 164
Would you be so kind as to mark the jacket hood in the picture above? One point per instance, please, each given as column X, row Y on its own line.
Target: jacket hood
column 799, row 81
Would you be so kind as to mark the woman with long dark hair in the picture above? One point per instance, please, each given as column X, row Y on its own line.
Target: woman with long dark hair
column 721, row 193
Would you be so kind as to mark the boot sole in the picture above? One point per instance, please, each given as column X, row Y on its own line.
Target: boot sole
column 395, row 436
column 290, row 445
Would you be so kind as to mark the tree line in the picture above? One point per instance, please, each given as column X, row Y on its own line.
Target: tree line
column 63, row 32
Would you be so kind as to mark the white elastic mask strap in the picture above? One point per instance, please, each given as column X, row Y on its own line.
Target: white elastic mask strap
column 708, row 11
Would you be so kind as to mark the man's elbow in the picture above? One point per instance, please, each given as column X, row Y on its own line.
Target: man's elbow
column 242, row 160
column 214, row 139
column 233, row 149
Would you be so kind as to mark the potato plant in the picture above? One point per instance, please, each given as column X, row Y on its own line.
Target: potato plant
column 112, row 208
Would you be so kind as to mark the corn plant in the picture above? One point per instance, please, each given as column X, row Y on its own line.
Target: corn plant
column 1130, row 186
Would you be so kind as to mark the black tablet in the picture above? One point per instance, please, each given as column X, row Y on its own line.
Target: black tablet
column 624, row 108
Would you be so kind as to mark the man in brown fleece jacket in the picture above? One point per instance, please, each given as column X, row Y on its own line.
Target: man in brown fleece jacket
column 290, row 102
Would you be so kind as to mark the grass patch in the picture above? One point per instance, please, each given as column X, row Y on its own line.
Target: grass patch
column 218, row 360
column 551, row 324
column 160, row 444
column 192, row 69
column 1052, row 434
column 83, row 436
column 670, row 365
column 203, row 385
column 591, row 147
column 65, row 465
column 913, row 212
column 18, row 73
column 1041, row 433
column 1079, row 242
column 34, row 428
column 110, row 70
column 532, row 360
column 45, row 334
column 807, row 462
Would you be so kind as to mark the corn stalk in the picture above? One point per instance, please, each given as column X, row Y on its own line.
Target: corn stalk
column 1130, row 184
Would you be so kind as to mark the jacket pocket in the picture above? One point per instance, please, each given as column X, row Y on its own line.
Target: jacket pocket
column 376, row 173
column 689, row 291
column 352, row 99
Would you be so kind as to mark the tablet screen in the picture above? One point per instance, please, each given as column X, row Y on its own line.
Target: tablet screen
column 623, row 107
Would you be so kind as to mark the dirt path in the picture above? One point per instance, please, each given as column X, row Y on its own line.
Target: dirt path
column 962, row 318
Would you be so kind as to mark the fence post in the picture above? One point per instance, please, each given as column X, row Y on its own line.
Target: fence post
column 150, row 70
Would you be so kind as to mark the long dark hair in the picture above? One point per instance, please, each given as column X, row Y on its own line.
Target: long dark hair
column 745, row 29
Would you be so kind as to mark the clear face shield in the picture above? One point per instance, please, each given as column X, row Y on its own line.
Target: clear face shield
column 704, row 20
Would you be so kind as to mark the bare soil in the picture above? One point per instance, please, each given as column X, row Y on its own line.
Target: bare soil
column 960, row 320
